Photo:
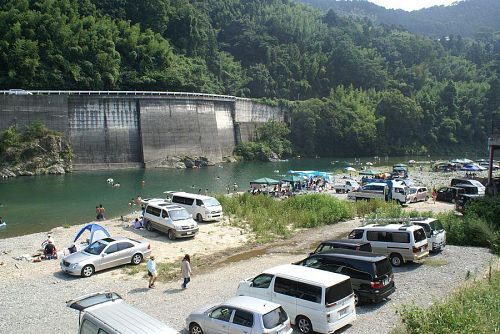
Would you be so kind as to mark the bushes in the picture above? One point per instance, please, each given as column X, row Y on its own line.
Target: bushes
column 487, row 208
column 470, row 230
column 474, row 308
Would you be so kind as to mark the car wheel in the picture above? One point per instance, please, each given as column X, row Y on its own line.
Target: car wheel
column 199, row 218
column 194, row 328
column 396, row 260
column 148, row 226
column 137, row 259
column 304, row 324
column 171, row 234
column 356, row 299
column 88, row 270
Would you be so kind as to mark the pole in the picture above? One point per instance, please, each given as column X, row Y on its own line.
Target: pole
column 490, row 171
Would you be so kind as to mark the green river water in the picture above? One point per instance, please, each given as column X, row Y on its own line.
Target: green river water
column 36, row 204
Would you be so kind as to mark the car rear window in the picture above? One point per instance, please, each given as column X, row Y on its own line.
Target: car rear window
column 338, row 292
column 419, row 235
column 274, row 318
column 383, row 267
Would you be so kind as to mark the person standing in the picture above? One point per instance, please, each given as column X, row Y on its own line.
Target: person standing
column 100, row 212
column 434, row 194
column 152, row 273
column 186, row 270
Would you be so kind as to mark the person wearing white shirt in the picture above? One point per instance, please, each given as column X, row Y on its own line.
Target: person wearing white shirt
column 152, row 273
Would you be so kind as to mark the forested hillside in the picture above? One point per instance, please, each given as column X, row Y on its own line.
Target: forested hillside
column 363, row 88
column 466, row 18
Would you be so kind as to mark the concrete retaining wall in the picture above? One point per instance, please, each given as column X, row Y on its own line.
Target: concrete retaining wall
column 128, row 130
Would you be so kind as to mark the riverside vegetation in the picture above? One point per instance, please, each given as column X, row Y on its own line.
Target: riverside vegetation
column 33, row 150
column 350, row 86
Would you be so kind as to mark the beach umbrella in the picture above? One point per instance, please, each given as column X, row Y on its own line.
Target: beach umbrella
column 369, row 172
column 471, row 168
column 350, row 169
column 265, row 180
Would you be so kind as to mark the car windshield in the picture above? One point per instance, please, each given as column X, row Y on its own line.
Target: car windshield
column 419, row 235
column 338, row 292
column 211, row 202
column 274, row 318
column 95, row 248
column 179, row 214
column 436, row 225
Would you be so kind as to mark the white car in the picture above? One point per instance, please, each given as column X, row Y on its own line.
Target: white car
column 239, row 315
column 418, row 194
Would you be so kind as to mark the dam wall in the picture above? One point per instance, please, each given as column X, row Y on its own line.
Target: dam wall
column 116, row 129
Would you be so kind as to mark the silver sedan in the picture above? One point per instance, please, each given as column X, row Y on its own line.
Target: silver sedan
column 240, row 315
column 103, row 254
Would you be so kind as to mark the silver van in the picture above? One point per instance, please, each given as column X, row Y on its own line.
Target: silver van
column 401, row 243
column 171, row 219
column 107, row 313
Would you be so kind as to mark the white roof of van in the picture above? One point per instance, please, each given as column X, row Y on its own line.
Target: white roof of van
column 391, row 227
column 307, row 275
column 252, row 304
column 126, row 319
column 377, row 184
column 185, row 194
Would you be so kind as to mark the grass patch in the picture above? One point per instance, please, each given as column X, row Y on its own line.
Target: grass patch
column 270, row 219
column 134, row 270
column 474, row 308
column 66, row 226
column 434, row 262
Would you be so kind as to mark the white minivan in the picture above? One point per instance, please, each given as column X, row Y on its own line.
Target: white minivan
column 315, row 300
column 203, row 208
column 171, row 219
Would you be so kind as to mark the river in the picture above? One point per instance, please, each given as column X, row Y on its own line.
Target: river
column 39, row 203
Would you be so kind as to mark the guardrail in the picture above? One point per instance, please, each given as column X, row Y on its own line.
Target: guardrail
column 115, row 93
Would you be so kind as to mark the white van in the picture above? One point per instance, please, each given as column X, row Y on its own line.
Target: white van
column 203, row 208
column 401, row 243
column 171, row 219
column 107, row 313
column 315, row 300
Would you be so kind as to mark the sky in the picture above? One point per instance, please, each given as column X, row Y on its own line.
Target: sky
column 410, row 5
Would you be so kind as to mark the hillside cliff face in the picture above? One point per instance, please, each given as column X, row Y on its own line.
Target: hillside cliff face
column 466, row 18
column 30, row 153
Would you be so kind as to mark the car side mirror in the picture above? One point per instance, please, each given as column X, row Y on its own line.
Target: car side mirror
column 104, row 254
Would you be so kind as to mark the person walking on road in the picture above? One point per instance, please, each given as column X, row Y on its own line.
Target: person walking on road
column 186, row 270
column 434, row 195
column 152, row 273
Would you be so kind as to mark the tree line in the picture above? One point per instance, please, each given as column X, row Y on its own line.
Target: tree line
column 351, row 87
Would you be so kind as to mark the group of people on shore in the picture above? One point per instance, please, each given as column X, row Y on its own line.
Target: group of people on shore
column 186, row 271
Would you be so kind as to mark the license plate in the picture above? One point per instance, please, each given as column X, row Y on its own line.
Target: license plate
column 189, row 232
column 343, row 312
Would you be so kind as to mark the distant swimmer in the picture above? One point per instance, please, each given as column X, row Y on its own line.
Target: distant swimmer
column 143, row 183
column 110, row 181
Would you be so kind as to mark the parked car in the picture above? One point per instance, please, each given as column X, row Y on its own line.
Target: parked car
column 481, row 188
column 434, row 231
column 315, row 300
column 463, row 200
column 401, row 243
column 371, row 274
column 240, row 314
column 203, row 208
column 470, row 189
column 343, row 243
column 171, row 219
column 449, row 194
column 345, row 186
column 104, row 254
column 17, row 91
column 418, row 194
column 107, row 313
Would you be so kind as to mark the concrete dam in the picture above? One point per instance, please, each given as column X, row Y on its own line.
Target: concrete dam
column 125, row 129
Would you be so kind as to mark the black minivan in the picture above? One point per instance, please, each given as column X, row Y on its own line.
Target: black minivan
column 343, row 243
column 371, row 274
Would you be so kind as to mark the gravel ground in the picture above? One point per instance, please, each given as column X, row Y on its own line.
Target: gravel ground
column 25, row 302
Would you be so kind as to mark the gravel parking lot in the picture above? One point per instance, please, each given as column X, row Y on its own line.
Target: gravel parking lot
column 37, row 304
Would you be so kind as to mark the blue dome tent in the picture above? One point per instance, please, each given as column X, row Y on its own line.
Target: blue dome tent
column 97, row 232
